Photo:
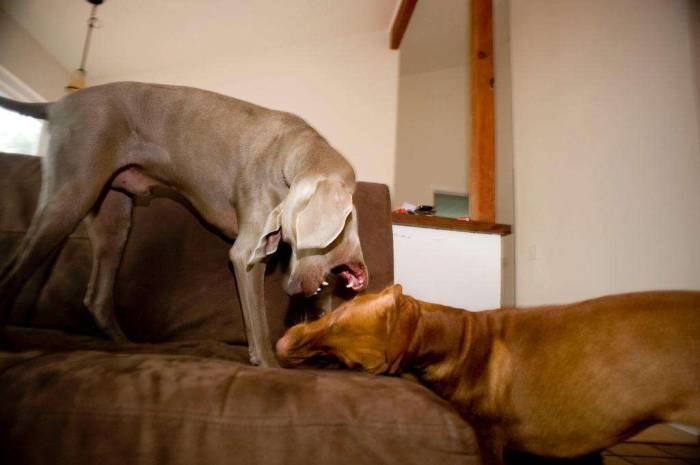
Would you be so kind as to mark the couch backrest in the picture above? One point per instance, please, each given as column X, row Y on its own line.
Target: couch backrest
column 175, row 282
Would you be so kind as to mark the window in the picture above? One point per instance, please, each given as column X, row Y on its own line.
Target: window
column 18, row 133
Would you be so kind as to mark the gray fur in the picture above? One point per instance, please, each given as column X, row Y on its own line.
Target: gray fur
column 256, row 174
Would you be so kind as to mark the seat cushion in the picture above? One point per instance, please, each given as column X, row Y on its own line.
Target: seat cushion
column 144, row 408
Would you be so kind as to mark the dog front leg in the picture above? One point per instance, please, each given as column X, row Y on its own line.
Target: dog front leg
column 250, row 281
column 491, row 445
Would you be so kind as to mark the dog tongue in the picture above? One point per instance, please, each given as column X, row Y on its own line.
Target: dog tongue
column 355, row 282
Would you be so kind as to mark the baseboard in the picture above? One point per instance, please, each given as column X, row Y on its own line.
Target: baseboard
column 688, row 429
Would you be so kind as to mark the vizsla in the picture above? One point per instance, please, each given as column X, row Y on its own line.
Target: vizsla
column 558, row 381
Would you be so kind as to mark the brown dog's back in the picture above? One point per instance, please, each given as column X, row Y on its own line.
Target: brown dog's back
column 603, row 367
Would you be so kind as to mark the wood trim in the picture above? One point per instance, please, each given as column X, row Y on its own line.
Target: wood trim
column 441, row 222
column 16, row 89
column 403, row 17
column 482, row 183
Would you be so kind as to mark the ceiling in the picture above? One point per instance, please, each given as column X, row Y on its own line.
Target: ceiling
column 437, row 37
column 136, row 35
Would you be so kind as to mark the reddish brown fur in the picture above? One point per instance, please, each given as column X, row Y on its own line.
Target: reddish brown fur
column 558, row 381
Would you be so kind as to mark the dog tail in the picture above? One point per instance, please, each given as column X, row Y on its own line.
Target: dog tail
column 35, row 110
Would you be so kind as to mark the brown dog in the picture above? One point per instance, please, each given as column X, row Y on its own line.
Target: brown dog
column 558, row 381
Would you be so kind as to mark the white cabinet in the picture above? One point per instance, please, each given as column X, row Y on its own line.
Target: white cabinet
column 456, row 268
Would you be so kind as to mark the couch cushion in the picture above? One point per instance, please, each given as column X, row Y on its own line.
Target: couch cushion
column 107, row 408
column 175, row 282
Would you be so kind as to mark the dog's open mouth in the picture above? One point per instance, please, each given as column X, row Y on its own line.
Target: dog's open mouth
column 354, row 276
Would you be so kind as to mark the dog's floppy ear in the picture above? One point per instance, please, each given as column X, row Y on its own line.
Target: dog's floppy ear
column 270, row 237
column 324, row 216
column 401, row 321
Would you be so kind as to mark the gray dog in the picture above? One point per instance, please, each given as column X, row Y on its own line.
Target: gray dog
column 257, row 175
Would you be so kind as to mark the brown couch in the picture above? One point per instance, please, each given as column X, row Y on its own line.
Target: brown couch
column 183, row 392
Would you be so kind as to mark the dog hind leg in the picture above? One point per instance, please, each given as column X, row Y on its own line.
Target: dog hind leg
column 68, row 193
column 53, row 222
column 108, row 228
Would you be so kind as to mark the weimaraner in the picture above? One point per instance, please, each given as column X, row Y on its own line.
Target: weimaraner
column 257, row 175
column 558, row 381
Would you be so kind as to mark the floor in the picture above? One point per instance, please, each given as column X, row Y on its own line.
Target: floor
column 648, row 454
column 659, row 445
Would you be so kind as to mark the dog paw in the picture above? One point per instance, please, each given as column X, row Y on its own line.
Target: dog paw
column 264, row 361
column 114, row 332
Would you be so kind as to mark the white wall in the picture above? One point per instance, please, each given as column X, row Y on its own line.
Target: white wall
column 505, row 209
column 433, row 119
column 345, row 88
column 433, row 116
column 606, row 142
column 27, row 61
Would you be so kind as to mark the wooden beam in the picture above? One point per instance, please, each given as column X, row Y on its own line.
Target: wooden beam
column 453, row 224
column 482, row 186
column 403, row 17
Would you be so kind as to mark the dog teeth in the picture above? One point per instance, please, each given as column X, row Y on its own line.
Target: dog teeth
column 348, row 285
column 324, row 283
column 318, row 290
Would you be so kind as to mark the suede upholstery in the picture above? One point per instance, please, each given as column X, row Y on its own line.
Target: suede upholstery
column 183, row 392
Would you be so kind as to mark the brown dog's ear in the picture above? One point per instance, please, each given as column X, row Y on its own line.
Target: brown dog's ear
column 401, row 321
column 270, row 237
column 324, row 216
column 395, row 289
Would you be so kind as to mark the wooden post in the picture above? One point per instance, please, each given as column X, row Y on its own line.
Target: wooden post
column 482, row 186
column 403, row 17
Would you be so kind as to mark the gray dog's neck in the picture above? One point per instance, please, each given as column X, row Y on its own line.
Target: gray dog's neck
column 310, row 157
